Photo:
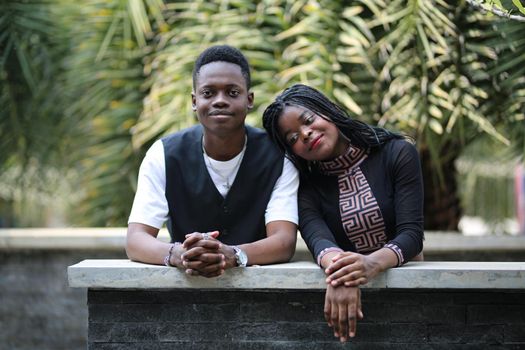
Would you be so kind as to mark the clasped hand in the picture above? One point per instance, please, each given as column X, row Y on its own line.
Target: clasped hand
column 204, row 255
column 350, row 269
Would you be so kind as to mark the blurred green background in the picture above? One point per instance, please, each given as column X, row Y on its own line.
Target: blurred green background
column 86, row 88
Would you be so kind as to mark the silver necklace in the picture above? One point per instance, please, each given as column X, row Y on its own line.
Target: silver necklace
column 226, row 178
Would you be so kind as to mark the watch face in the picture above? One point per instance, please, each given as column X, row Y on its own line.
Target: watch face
column 241, row 257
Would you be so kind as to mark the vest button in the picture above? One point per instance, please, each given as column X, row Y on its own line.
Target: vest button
column 225, row 210
column 224, row 232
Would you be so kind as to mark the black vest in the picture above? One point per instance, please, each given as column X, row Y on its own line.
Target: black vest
column 195, row 204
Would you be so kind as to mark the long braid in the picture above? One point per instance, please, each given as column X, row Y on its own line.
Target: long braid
column 360, row 134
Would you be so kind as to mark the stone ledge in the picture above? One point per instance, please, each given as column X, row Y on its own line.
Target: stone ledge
column 125, row 274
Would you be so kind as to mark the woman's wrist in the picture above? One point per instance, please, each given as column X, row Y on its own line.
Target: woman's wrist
column 324, row 259
column 381, row 260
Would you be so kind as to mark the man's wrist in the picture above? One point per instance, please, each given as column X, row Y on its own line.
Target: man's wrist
column 240, row 257
column 229, row 256
column 174, row 257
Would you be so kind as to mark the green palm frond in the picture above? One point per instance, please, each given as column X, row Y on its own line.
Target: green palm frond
column 106, row 77
column 193, row 27
column 31, row 43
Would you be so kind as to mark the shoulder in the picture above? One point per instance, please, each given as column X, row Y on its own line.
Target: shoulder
column 256, row 133
column 264, row 144
column 189, row 134
column 398, row 148
column 398, row 145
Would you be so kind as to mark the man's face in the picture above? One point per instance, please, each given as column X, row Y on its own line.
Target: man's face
column 221, row 98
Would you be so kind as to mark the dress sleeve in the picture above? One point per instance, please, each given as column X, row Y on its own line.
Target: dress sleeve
column 408, row 203
column 314, row 229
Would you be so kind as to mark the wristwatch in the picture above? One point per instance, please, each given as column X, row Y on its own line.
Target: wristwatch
column 240, row 257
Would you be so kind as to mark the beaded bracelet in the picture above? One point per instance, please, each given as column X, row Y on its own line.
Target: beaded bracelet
column 326, row 251
column 167, row 258
column 398, row 252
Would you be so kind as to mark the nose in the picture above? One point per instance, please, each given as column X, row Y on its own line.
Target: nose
column 305, row 133
column 221, row 99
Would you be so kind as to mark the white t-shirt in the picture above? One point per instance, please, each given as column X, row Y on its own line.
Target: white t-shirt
column 150, row 206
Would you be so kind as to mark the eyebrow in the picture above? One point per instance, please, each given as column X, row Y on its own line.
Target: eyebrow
column 229, row 86
column 301, row 117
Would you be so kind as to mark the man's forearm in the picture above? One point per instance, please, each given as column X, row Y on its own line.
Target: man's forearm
column 279, row 246
column 143, row 246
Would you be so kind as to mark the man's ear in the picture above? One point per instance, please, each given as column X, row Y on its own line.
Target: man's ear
column 250, row 100
column 193, row 102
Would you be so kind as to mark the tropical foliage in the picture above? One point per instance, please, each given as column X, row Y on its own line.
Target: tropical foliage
column 31, row 98
column 444, row 72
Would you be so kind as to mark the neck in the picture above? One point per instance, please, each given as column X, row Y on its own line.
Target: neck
column 223, row 148
column 342, row 145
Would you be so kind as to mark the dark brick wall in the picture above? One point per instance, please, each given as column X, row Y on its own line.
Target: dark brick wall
column 220, row 319
column 38, row 310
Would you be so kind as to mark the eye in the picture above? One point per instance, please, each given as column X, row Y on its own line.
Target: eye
column 292, row 139
column 206, row 93
column 234, row 93
column 309, row 120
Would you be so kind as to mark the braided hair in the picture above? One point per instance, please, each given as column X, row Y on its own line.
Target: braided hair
column 360, row 134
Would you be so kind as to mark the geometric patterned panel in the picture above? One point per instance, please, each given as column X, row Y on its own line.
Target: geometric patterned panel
column 360, row 214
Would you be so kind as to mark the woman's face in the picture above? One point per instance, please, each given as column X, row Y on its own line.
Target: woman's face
column 309, row 135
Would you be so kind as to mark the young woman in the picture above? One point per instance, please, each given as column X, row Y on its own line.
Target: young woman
column 360, row 198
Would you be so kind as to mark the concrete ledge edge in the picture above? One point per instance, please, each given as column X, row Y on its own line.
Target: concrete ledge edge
column 125, row 274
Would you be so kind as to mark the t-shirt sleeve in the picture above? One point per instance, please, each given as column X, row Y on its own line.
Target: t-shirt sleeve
column 408, row 203
column 150, row 206
column 283, row 201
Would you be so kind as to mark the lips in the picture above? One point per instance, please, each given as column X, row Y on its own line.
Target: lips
column 315, row 142
column 219, row 112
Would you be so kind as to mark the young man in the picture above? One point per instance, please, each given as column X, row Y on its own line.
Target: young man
column 228, row 194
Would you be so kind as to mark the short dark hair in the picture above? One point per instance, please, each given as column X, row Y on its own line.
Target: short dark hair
column 223, row 53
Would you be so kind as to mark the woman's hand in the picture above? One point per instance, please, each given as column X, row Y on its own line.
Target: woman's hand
column 342, row 308
column 351, row 269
